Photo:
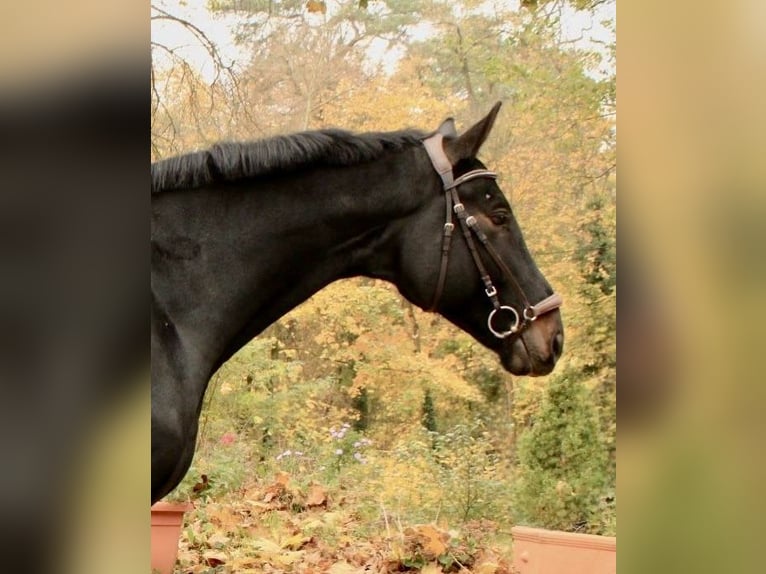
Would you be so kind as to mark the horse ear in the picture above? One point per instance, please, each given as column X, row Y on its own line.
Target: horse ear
column 468, row 144
column 447, row 128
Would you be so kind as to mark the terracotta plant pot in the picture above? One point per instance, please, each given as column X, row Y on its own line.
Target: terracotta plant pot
column 167, row 520
column 538, row 551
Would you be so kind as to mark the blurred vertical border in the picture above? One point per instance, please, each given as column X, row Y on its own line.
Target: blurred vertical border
column 692, row 230
column 74, row 278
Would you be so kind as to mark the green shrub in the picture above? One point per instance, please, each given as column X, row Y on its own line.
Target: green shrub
column 469, row 474
column 563, row 467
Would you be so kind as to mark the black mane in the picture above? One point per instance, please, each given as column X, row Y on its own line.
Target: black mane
column 230, row 161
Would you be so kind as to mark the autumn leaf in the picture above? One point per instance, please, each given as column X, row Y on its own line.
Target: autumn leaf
column 486, row 563
column 434, row 544
column 296, row 542
column 278, row 488
column 286, row 558
column 431, row 540
column 224, row 518
column 214, row 558
column 246, row 564
column 431, row 568
column 343, row 567
column 218, row 540
column 272, row 493
column 315, row 6
column 317, row 496
column 266, row 546
column 530, row 4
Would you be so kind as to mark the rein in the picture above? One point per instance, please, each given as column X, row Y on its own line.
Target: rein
column 470, row 227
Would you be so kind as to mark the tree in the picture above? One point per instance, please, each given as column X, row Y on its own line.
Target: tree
column 171, row 71
column 597, row 258
column 302, row 53
column 562, row 479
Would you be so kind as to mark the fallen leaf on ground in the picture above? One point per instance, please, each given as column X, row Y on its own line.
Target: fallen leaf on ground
column 431, row 568
column 317, row 495
column 214, row 558
column 343, row 567
column 486, row 563
column 430, row 539
column 296, row 542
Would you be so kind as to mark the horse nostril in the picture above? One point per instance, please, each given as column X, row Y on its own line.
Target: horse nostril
column 557, row 345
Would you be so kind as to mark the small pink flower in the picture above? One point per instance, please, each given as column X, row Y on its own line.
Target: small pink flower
column 228, row 438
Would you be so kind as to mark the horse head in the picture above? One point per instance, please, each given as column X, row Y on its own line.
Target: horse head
column 463, row 255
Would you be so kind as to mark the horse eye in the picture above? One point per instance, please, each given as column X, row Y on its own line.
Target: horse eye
column 499, row 218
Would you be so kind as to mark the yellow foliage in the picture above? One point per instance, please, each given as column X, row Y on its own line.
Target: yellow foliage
column 392, row 104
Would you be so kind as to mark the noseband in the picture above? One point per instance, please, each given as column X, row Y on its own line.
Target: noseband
column 469, row 225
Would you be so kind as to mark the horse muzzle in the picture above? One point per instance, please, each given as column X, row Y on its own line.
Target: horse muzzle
column 535, row 350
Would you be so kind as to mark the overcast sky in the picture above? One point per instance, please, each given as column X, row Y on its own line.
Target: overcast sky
column 219, row 30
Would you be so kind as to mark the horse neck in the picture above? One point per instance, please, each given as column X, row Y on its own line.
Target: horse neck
column 264, row 251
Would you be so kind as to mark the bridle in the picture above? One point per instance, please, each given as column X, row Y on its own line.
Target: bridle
column 470, row 227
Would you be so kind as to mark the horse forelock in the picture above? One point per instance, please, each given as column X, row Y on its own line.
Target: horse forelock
column 233, row 161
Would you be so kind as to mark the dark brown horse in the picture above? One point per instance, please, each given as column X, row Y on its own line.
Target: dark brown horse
column 244, row 232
